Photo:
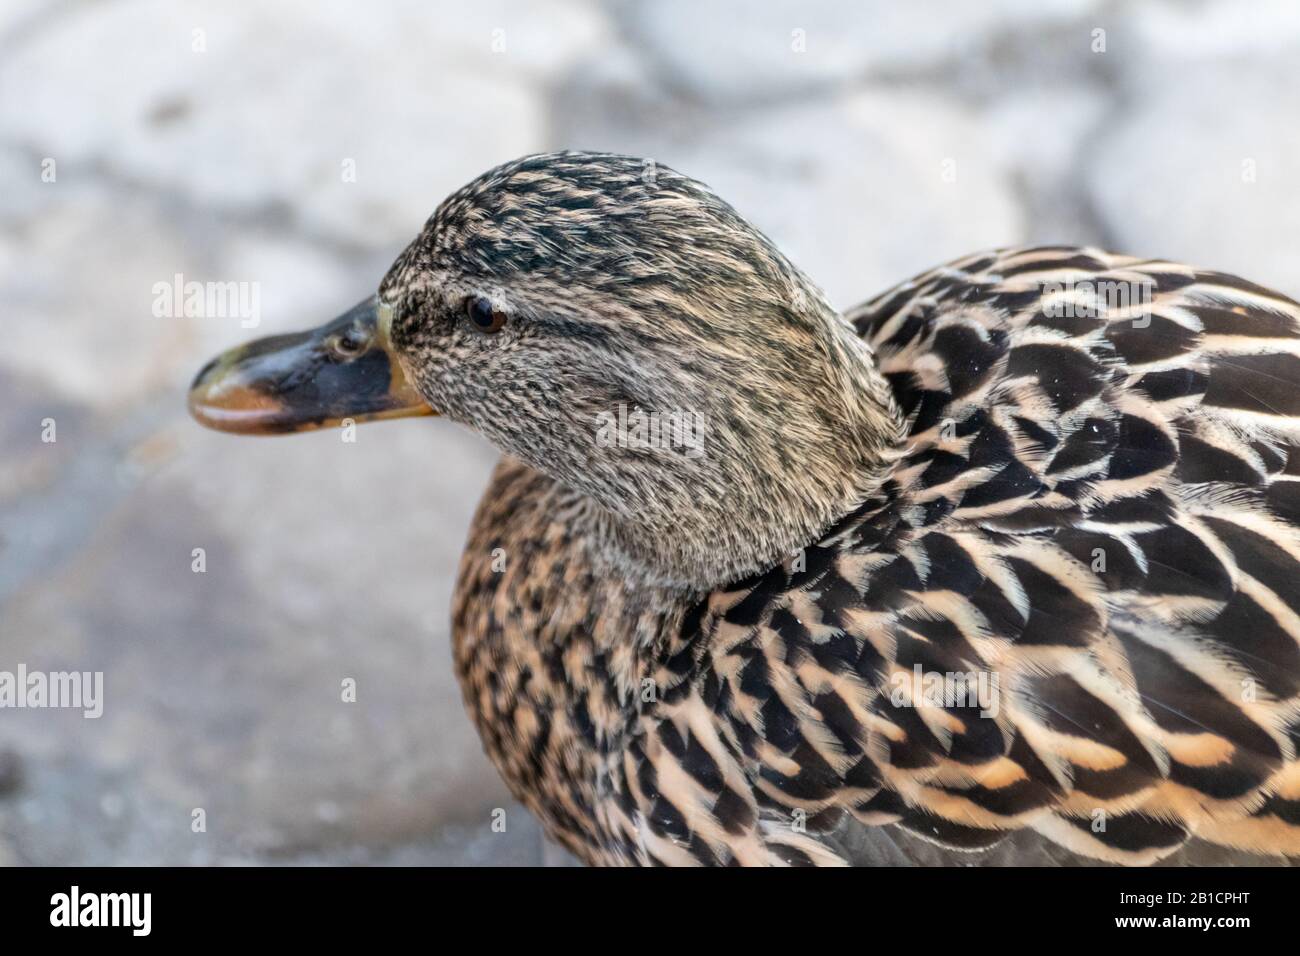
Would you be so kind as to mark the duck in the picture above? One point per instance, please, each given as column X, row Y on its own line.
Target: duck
column 1009, row 552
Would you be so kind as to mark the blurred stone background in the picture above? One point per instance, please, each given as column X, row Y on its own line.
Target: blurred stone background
column 871, row 140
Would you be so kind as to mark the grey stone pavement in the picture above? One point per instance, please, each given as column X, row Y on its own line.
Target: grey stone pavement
column 299, row 146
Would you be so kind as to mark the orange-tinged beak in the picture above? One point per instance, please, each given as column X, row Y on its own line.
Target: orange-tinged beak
column 343, row 371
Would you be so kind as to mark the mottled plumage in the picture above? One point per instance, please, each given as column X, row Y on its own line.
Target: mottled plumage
column 1065, row 477
column 1039, row 449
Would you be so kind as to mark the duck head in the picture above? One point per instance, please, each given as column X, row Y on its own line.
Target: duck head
column 618, row 327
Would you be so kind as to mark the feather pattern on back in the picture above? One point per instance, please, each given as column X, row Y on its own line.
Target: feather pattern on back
column 1096, row 517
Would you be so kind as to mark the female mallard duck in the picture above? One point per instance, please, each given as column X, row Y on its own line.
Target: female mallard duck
column 1000, row 550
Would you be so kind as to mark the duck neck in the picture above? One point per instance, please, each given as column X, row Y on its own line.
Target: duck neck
column 786, row 447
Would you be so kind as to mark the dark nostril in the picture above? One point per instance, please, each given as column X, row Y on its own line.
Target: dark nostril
column 351, row 343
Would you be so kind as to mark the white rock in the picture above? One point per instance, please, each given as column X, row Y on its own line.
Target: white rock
column 1156, row 35
column 18, row 17
column 358, row 120
column 1201, row 164
column 1044, row 137
column 737, row 49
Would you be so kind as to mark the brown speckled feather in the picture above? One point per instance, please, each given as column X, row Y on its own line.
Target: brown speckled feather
column 1096, row 513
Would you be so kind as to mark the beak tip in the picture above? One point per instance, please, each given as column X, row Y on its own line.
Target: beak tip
column 198, row 409
column 237, row 411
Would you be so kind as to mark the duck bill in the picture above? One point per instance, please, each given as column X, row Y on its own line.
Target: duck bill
column 344, row 371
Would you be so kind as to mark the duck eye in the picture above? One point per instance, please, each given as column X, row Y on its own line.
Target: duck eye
column 483, row 316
